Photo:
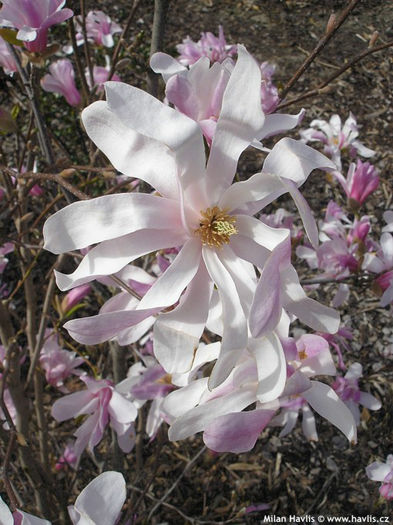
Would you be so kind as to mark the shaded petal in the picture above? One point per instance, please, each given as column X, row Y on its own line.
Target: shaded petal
column 70, row 406
column 166, row 65
column 236, row 432
column 278, row 123
column 121, row 409
column 325, row 401
column 5, row 514
column 168, row 287
column 377, row 471
column 102, row 499
column 240, row 119
column 179, row 402
column 88, row 222
column 111, row 256
column 177, row 333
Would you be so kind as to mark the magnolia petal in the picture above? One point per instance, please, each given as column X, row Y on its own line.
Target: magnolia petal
column 5, row 514
column 260, row 232
column 198, row 418
column 369, row 401
column 293, row 160
column 177, row 333
column 296, row 384
column 28, row 519
column 259, row 187
column 111, row 256
column 325, row 401
column 88, row 222
column 130, row 152
column 378, row 471
column 240, row 118
column 308, row 424
column 168, row 287
column 278, row 123
column 246, row 248
column 102, row 499
column 145, row 114
column 236, row 432
column 69, row 406
column 315, row 315
column 99, row 328
column 166, row 65
column 271, row 365
column 179, row 402
column 121, row 409
column 235, row 325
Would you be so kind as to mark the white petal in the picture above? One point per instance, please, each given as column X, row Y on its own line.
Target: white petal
column 177, row 334
column 260, row 232
column 168, row 287
column 292, row 159
column 377, row 471
column 166, row 65
column 179, row 402
column 240, row 119
column 308, row 424
column 130, row 152
column 111, row 256
column 5, row 514
column 278, row 123
column 102, row 499
column 87, row 222
column 325, row 401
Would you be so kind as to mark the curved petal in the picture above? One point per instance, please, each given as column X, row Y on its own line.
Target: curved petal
column 169, row 286
column 139, row 111
column 5, row 514
column 240, row 119
column 181, row 401
column 278, row 123
column 84, row 223
column 166, row 65
column 293, row 160
column 102, row 499
column 325, row 401
column 177, row 333
column 70, row 406
column 111, row 256
column 236, row 432
column 260, row 232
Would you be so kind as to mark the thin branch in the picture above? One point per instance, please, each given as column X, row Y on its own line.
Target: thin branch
column 321, row 87
column 55, row 178
column 175, row 484
column 79, row 67
column 319, row 47
column 157, row 38
column 86, row 46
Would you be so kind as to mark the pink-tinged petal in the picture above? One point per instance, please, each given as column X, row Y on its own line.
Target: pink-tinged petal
column 130, row 152
column 28, row 519
column 288, row 419
column 315, row 315
column 362, row 150
column 5, row 514
column 70, row 406
column 251, row 251
column 305, row 212
column 177, row 333
column 259, row 187
column 369, row 401
column 296, row 384
column 111, row 256
column 198, row 418
column 121, row 409
column 278, row 123
column 271, row 366
column 169, row 286
column 179, row 402
column 99, row 328
column 235, row 325
column 237, row 432
column 325, row 401
column 240, row 118
column 154, row 418
column 166, row 65
column 102, row 499
column 87, row 222
column 260, row 232
column 149, row 117
column 293, row 160
column 308, row 424
column 204, row 354
column 266, row 308
column 377, row 471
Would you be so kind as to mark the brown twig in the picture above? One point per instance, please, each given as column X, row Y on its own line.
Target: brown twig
column 319, row 47
column 55, row 178
column 320, row 88
column 79, row 67
column 123, row 36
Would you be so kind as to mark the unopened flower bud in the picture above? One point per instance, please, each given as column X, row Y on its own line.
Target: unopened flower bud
column 373, row 39
column 331, row 23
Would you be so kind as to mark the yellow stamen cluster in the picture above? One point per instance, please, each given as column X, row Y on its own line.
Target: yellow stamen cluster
column 216, row 227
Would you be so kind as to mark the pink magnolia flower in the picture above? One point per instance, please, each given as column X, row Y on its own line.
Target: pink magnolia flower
column 348, row 390
column 361, row 181
column 388, row 217
column 61, row 79
column 210, row 46
column 198, row 93
column 75, row 296
column 379, row 471
column 57, row 363
column 68, row 458
column 269, row 92
column 337, row 138
column 382, row 263
column 100, row 76
column 99, row 29
column 18, row 517
column 104, row 404
column 100, row 501
column 7, row 61
column 33, row 19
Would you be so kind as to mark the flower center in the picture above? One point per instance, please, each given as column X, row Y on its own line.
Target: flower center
column 216, row 227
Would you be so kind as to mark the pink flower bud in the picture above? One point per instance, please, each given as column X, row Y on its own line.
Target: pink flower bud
column 75, row 296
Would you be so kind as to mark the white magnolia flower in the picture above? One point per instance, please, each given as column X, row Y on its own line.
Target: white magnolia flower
column 197, row 209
